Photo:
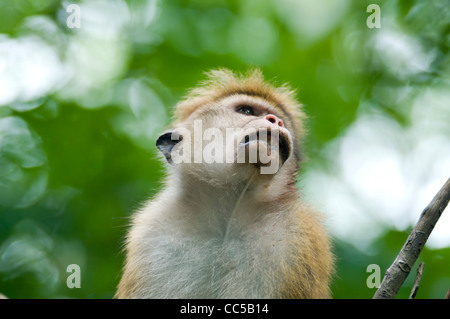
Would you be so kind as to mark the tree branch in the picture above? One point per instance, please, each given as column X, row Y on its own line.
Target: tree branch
column 417, row 281
column 399, row 270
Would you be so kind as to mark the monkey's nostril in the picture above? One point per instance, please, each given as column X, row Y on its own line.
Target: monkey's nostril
column 271, row 118
column 274, row 120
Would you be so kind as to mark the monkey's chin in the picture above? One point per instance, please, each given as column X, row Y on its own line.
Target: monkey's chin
column 261, row 155
column 268, row 150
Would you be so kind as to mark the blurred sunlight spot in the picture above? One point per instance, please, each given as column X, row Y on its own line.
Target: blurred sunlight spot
column 142, row 28
column 383, row 175
column 375, row 171
column 98, row 51
column 400, row 54
column 27, row 250
column 97, row 97
column 430, row 119
column 103, row 19
column 311, row 20
column 431, row 111
column 16, row 141
column 26, row 106
column 440, row 237
column 23, row 164
column 45, row 28
column 94, row 62
column 144, row 115
column 344, row 217
column 29, row 69
column 143, row 13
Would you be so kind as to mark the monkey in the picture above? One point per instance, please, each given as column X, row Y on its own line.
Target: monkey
column 225, row 229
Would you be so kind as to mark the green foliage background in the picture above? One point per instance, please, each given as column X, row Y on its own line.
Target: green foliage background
column 78, row 156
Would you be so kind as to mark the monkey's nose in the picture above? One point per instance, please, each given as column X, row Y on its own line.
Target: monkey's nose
column 274, row 120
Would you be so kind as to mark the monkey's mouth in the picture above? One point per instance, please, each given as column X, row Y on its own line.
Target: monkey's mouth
column 277, row 141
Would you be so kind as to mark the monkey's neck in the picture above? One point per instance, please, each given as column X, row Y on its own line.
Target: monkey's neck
column 203, row 196
column 225, row 209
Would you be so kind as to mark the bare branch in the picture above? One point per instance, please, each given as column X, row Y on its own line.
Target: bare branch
column 399, row 270
column 417, row 281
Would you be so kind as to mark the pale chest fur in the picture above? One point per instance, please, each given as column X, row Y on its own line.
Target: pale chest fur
column 185, row 262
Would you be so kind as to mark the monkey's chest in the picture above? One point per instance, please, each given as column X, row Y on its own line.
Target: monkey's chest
column 213, row 269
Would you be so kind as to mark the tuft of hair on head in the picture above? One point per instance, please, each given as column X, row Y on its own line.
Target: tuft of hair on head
column 223, row 82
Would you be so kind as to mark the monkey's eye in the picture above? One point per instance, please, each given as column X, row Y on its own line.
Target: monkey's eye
column 246, row 109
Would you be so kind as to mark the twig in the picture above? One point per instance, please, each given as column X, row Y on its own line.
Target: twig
column 417, row 281
column 399, row 270
column 447, row 296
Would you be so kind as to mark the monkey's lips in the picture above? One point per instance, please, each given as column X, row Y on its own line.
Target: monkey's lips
column 275, row 141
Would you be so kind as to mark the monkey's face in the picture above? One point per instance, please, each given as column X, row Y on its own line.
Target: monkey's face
column 234, row 134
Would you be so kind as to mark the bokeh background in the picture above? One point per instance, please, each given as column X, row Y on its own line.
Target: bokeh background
column 80, row 109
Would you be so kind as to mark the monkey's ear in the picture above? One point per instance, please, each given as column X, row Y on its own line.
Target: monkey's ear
column 166, row 142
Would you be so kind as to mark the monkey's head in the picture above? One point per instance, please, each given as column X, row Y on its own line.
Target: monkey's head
column 231, row 125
